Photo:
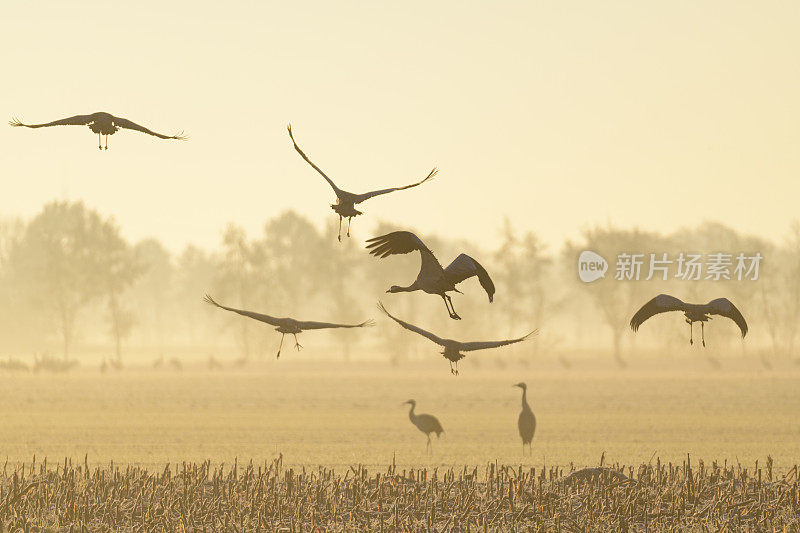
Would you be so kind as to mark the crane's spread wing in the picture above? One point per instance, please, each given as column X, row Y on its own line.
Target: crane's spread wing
column 130, row 125
column 367, row 195
column 464, row 267
column 327, row 325
column 724, row 307
column 412, row 327
column 660, row 304
column 403, row 242
column 77, row 120
column 396, row 242
column 257, row 316
column 336, row 189
column 472, row 346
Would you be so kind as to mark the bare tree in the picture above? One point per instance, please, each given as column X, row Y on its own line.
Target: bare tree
column 615, row 299
column 155, row 290
column 118, row 268
column 238, row 271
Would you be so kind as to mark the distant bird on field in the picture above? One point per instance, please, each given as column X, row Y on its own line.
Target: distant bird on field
column 693, row 312
column 452, row 349
column 176, row 363
column 425, row 423
column 527, row 421
column 158, row 363
column 432, row 278
column 288, row 325
column 345, row 201
column 100, row 123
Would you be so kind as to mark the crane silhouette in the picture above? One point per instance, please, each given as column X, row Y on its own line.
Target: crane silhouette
column 527, row 421
column 452, row 348
column 425, row 423
column 286, row 326
column 100, row 123
column 346, row 201
column 693, row 312
column 432, row 278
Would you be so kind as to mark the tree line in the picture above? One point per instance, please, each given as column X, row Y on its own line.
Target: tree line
column 71, row 284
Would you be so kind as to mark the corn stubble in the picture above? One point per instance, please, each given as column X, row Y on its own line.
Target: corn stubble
column 270, row 497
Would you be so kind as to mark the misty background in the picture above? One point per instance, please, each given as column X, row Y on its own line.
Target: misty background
column 74, row 289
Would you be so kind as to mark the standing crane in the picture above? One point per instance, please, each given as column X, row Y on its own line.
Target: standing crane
column 286, row 326
column 432, row 278
column 425, row 423
column 452, row 348
column 346, row 201
column 100, row 123
column 527, row 421
column 664, row 303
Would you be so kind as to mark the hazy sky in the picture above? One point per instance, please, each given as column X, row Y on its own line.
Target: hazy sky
column 555, row 114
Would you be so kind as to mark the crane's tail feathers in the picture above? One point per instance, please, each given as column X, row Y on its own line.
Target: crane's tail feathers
column 209, row 300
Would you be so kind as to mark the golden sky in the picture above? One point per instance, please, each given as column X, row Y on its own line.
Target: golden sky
column 555, row 114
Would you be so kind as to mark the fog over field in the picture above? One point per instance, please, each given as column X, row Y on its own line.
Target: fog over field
column 342, row 414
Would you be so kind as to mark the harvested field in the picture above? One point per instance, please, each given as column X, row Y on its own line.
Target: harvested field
column 271, row 497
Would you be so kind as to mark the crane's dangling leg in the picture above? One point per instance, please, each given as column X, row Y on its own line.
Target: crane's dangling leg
column 349, row 219
column 449, row 312
column 454, row 316
column 99, row 141
column 703, row 333
column 452, row 371
column 340, row 228
column 456, row 368
column 106, row 142
column 296, row 344
column 429, row 446
column 447, row 305
column 691, row 331
column 280, row 346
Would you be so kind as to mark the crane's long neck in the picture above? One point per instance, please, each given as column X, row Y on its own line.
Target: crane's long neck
column 411, row 415
column 525, row 399
column 410, row 288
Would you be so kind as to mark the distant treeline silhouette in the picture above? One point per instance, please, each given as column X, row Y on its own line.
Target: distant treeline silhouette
column 71, row 284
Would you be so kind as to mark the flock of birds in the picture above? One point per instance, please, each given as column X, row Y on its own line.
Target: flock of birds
column 432, row 278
